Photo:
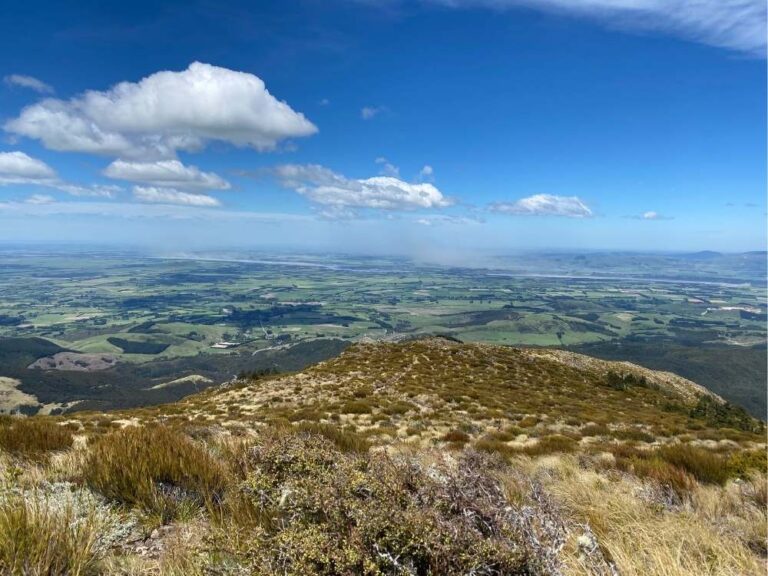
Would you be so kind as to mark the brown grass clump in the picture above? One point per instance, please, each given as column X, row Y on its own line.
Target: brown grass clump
column 455, row 436
column 551, row 445
column 156, row 468
column 37, row 538
column 344, row 440
column 704, row 465
column 33, row 437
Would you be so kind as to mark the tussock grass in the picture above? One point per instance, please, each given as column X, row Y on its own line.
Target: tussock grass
column 704, row 465
column 38, row 539
column 33, row 437
column 156, row 468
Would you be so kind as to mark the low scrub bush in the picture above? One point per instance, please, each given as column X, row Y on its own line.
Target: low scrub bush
column 328, row 513
column 156, row 468
column 33, row 437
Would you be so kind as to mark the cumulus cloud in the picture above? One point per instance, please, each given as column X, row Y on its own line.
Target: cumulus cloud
column 165, row 112
column 734, row 24
column 335, row 192
column 20, row 168
column 369, row 112
column 545, row 205
column 28, row 82
column 154, row 195
column 40, row 199
column 165, row 173
column 427, row 171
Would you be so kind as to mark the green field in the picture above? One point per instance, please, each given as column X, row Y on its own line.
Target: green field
column 166, row 318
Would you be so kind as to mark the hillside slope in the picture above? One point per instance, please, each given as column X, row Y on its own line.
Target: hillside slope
column 421, row 457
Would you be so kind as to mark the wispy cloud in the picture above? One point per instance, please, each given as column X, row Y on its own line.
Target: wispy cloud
column 387, row 168
column 651, row 215
column 154, row 195
column 28, row 82
column 370, row 112
column 170, row 173
column 40, row 199
column 734, row 24
column 544, row 205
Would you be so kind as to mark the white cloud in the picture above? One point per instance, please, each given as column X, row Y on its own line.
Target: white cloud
column 545, row 205
column 651, row 215
column 440, row 219
column 329, row 189
column 165, row 173
column 154, row 195
column 19, row 168
column 165, row 112
column 28, row 82
column 387, row 168
column 735, row 24
column 324, row 102
column 427, row 171
column 97, row 190
column 368, row 112
column 40, row 199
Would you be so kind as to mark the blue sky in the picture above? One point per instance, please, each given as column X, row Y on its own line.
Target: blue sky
column 434, row 128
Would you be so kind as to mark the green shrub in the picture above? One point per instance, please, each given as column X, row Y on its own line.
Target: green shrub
column 327, row 513
column 725, row 415
column 33, row 437
column 742, row 462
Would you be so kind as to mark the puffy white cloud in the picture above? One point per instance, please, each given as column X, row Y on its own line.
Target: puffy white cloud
column 20, row 168
column 545, row 205
column 40, row 199
column 28, row 82
column 368, row 112
column 427, row 171
column 735, row 24
column 165, row 173
column 165, row 112
column 154, row 195
column 329, row 189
